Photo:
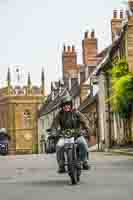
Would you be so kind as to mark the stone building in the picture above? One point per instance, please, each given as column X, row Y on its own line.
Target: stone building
column 18, row 114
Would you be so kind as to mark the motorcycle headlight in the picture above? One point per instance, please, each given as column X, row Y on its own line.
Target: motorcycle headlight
column 68, row 133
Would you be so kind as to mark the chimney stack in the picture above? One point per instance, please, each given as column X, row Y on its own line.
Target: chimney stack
column 116, row 23
column 89, row 45
column 69, row 61
column 130, row 4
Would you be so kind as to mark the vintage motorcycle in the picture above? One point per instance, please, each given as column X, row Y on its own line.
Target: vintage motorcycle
column 71, row 154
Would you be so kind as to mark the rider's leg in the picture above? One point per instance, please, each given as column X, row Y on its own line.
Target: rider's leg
column 60, row 155
column 83, row 151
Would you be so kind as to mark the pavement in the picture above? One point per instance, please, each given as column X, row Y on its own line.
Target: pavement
column 34, row 177
column 127, row 151
column 123, row 151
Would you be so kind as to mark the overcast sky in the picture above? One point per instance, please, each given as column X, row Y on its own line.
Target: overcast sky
column 32, row 32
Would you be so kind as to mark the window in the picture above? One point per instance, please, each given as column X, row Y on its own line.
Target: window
column 27, row 119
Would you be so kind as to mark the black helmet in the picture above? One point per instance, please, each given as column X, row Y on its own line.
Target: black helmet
column 66, row 100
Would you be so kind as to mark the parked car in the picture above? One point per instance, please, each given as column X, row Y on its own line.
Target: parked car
column 4, row 142
column 4, row 149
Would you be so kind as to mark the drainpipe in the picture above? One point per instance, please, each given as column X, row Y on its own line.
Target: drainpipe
column 97, row 123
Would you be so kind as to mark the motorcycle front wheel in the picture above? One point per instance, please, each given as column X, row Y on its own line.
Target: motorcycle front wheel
column 73, row 170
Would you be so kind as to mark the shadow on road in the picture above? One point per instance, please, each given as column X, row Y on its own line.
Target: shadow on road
column 48, row 183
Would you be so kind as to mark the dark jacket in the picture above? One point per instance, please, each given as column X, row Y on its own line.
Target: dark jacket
column 70, row 120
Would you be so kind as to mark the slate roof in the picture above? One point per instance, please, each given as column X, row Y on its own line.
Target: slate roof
column 103, row 52
column 110, row 51
column 51, row 105
column 75, row 90
column 89, row 100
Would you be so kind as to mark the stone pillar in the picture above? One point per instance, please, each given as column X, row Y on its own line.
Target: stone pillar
column 12, row 128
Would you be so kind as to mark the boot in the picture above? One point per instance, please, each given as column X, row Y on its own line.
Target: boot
column 86, row 166
column 61, row 170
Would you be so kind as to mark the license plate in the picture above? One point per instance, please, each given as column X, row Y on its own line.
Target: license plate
column 69, row 140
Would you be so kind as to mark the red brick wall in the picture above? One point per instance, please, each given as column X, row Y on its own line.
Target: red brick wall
column 89, row 45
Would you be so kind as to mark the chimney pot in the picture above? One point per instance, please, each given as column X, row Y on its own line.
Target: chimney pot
column 73, row 48
column 121, row 14
column 69, row 48
column 64, row 48
column 127, row 13
column 115, row 14
column 86, row 34
column 93, row 34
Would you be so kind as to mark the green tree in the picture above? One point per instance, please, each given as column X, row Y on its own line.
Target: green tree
column 122, row 89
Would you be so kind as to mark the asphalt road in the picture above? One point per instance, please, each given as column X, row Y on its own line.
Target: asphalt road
column 34, row 177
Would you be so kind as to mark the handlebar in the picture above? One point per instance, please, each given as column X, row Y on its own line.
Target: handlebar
column 67, row 133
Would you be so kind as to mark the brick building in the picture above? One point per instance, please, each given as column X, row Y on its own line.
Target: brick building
column 115, row 130
column 74, row 78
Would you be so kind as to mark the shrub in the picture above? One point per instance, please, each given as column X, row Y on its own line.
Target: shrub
column 122, row 89
column 35, row 148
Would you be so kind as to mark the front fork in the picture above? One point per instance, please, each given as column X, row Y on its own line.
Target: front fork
column 74, row 159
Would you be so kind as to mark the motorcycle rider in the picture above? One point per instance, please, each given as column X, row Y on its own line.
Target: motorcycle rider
column 68, row 118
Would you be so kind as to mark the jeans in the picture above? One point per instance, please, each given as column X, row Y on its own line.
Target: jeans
column 83, row 150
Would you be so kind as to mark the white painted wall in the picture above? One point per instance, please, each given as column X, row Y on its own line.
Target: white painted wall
column 101, row 107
